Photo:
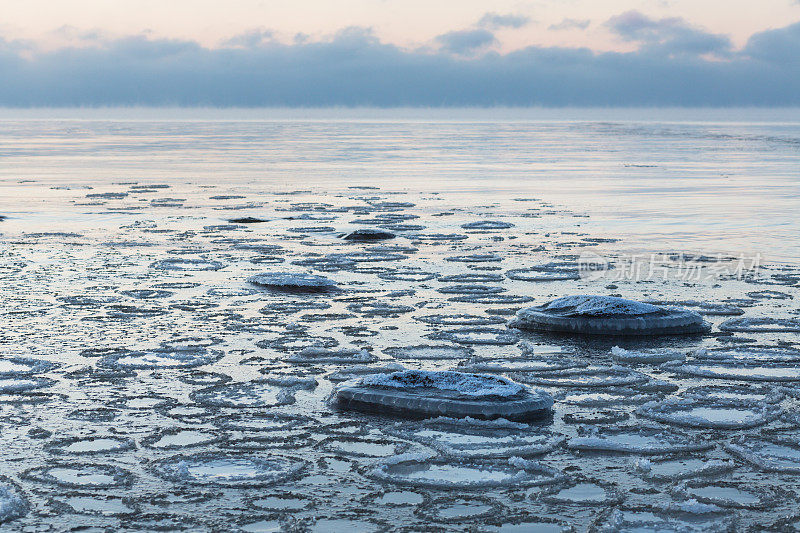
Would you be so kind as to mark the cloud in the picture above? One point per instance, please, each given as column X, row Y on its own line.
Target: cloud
column 495, row 21
column 465, row 42
column 353, row 67
column 570, row 24
column 776, row 46
column 251, row 39
column 671, row 35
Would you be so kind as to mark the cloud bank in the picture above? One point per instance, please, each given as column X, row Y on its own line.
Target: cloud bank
column 675, row 64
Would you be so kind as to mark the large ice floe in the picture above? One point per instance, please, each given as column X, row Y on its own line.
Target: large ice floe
column 608, row 315
column 418, row 393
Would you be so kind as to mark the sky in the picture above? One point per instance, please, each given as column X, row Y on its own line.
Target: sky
column 400, row 52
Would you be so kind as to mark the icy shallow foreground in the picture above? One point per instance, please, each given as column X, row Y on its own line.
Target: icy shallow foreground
column 165, row 368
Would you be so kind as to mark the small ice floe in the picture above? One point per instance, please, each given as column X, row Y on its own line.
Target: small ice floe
column 362, row 446
column 312, row 229
column 474, row 258
column 278, row 501
column 769, row 295
column 293, row 282
column 13, row 504
column 147, row 294
column 638, row 440
column 677, row 518
column 181, row 438
column 725, row 494
column 418, row 393
column 689, row 506
column 752, row 354
column 252, row 394
column 229, row 470
column 460, row 320
column 341, row 522
column 741, row 393
column 296, row 341
column 470, row 288
column 435, row 238
column 352, row 261
column 460, row 509
column 21, row 384
column 379, row 309
column 645, row 357
column 541, row 524
column 80, row 476
column 582, row 491
column 711, row 414
column 608, row 315
column 770, row 455
column 594, row 416
column 468, row 437
column 203, row 378
column 186, row 264
column 259, row 430
column 762, row 325
column 288, row 308
column 471, row 277
column 487, row 225
column 669, row 469
column 188, row 414
column 546, row 272
column 161, row 358
column 614, row 396
column 737, row 370
column 354, row 371
column 247, row 220
column 476, row 335
column 369, row 235
column 94, row 445
column 592, row 376
column 395, row 498
column 322, row 356
column 498, row 299
column 407, row 274
column 425, row 471
column 24, row 366
column 501, row 365
column 429, row 352
column 94, row 504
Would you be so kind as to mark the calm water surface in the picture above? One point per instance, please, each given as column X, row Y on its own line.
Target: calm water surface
column 702, row 180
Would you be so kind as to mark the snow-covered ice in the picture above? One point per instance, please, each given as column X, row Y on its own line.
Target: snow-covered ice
column 608, row 315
